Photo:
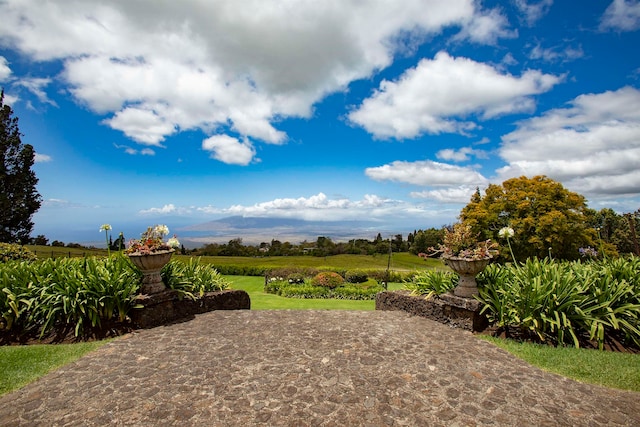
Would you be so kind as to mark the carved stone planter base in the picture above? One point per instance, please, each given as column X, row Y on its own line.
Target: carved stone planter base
column 458, row 312
column 165, row 307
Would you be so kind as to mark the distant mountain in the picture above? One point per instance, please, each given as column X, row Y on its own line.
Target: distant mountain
column 253, row 230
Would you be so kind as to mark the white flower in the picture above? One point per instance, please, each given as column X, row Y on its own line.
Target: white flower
column 506, row 232
column 173, row 242
column 105, row 227
column 161, row 229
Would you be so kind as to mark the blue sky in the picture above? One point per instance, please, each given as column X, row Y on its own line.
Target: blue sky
column 391, row 111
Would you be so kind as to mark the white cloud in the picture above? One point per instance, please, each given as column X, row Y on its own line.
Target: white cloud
column 320, row 207
column 533, row 11
column 42, row 158
column 462, row 155
column 36, row 86
column 430, row 97
column 144, row 126
column 486, row 27
column 229, row 150
column 592, row 146
column 5, row 71
column 156, row 68
column 168, row 209
column 461, row 194
column 426, row 173
column 553, row 54
column 621, row 15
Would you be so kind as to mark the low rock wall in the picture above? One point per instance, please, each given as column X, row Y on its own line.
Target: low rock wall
column 463, row 313
column 165, row 307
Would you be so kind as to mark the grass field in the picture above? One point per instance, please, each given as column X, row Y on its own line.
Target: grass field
column 19, row 365
column 402, row 261
column 261, row 300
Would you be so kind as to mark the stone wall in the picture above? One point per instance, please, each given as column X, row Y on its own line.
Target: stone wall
column 449, row 309
column 165, row 307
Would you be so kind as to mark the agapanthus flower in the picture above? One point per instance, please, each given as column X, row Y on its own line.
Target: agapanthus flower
column 173, row 242
column 506, row 232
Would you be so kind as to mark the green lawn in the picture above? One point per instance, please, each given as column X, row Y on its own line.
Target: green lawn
column 19, row 365
column 261, row 300
column 618, row 370
column 402, row 261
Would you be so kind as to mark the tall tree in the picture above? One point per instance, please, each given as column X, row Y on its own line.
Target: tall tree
column 546, row 217
column 19, row 199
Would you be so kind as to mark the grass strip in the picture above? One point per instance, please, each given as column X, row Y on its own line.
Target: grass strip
column 20, row 365
column 610, row 369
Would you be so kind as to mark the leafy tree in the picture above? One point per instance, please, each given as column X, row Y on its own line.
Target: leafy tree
column 425, row 239
column 546, row 217
column 19, row 199
column 40, row 240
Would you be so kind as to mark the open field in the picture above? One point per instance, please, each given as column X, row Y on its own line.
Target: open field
column 402, row 261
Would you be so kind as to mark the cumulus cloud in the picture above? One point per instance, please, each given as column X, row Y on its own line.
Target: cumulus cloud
column 5, row 71
column 592, row 146
column 431, row 97
column 168, row 209
column 621, row 15
column 426, row 173
column 228, row 149
column 557, row 53
column 533, row 11
column 157, row 68
column 461, row 194
column 318, row 207
column 36, row 86
column 42, row 158
column 463, row 154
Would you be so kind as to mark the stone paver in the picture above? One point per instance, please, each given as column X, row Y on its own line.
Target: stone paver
column 310, row 368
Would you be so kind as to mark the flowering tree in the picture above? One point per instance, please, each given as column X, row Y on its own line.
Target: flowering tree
column 546, row 218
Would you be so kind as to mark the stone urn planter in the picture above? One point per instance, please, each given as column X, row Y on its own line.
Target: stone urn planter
column 468, row 269
column 150, row 265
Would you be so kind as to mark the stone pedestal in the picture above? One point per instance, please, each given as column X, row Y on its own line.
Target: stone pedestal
column 467, row 269
column 449, row 309
column 151, row 265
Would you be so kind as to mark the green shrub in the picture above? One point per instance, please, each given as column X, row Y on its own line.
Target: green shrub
column 304, row 291
column 77, row 293
column 192, row 279
column 11, row 252
column 356, row 276
column 432, row 282
column 328, row 279
column 566, row 302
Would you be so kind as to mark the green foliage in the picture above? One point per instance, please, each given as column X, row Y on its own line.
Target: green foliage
column 311, row 289
column 20, row 365
column 327, row 279
column 429, row 283
column 81, row 293
column 12, row 251
column 566, row 302
column 192, row 279
column 356, row 276
column 19, row 199
column 545, row 216
column 606, row 368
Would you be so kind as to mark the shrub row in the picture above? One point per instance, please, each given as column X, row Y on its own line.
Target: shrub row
column 566, row 301
column 36, row 297
column 308, row 290
column 560, row 302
